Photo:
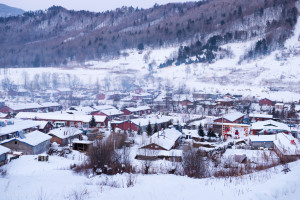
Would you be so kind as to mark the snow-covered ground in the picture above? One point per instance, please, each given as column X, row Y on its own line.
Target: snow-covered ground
column 29, row 179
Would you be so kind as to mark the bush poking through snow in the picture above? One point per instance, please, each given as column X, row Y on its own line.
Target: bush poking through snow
column 83, row 168
column 109, row 156
column 130, row 180
column 78, row 195
column 194, row 164
column 108, row 181
column 3, row 172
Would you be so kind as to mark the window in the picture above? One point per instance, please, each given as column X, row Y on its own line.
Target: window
column 16, row 142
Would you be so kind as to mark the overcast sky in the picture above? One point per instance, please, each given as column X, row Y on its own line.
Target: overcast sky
column 91, row 5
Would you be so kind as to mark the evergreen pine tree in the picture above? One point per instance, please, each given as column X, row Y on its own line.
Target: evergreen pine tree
column 200, row 131
column 273, row 112
column 292, row 112
column 211, row 133
column 149, row 129
column 139, row 132
column 92, row 123
column 169, row 123
column 155, row 130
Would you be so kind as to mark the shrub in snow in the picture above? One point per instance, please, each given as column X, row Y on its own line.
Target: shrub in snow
column 194, row 164
column 109, row 156
column 3, row 172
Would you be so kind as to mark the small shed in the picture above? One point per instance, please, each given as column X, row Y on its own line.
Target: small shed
column 43, row 157
column 81, row 145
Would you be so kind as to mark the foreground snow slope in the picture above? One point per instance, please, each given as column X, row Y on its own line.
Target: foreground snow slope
column 29, row 179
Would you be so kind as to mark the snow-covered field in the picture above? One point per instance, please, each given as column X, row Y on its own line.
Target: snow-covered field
column 29, row 179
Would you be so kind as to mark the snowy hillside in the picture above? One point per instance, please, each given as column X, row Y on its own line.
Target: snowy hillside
column 280, row 70
column 28, row 177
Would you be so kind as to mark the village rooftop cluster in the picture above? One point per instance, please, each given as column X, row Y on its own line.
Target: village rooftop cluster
column 167, row 123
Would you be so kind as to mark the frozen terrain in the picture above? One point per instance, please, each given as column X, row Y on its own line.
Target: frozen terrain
column 29, row 179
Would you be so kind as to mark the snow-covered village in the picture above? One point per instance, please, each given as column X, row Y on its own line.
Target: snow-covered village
column 149, row 100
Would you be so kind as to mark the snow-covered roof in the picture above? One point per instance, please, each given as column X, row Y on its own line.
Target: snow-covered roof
column 152, row 119
column 103, row 107
column 111, row 112
column 150, row 152
column 269, row 124
column 261, row 115
column 65, row 132
column 232, row 124
column 226, row 99
column 51, row 91
column 287, row 144
column 33, row 138
column 192, row 133
column 42, row 124
column 165, row 138
column 4, row 150
column 233, row 116
column 18, row 125
column 64, row 89
column 82, row 141
column 22, row 106
column 81, row 109
column 2, row 115
column 59, row 116
column 262, row 138
column 50, row 104
column 279, row 104
column 139, row 108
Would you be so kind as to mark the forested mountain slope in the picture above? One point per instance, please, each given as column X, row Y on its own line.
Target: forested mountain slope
column 59, row 36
